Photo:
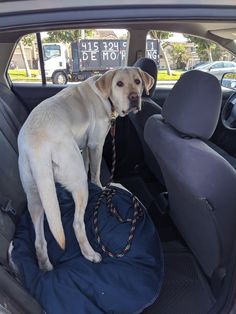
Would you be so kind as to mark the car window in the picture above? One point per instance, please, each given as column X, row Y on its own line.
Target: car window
column 76, row 54
column 217, row 65
column 69, row 55
column 24, row 65
column 51, row 51
column 229, row 65
column 176, row 53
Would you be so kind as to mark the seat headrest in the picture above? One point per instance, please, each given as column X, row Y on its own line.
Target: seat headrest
column 193, row 105
column 149, row 66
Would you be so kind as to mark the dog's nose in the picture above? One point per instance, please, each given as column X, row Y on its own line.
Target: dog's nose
column 134, row 99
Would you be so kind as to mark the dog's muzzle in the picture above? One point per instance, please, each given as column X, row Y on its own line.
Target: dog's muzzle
column 134, row 100
column 134, row 103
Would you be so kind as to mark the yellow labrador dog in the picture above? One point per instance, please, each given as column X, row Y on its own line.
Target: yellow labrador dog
column 49, row 143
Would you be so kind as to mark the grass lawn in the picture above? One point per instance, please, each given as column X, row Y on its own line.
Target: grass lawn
column 20, row 75
column 163, row 76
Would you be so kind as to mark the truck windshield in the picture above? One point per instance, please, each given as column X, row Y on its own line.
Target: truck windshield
column 51, row 51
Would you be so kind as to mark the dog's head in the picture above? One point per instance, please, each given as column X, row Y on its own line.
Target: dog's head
column 124, row 86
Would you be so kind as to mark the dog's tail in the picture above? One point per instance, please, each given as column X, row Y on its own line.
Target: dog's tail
column 43, row 175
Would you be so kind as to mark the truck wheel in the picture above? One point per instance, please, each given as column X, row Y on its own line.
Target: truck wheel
column 59, row 78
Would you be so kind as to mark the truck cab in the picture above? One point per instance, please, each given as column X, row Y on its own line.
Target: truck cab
column 56, row 62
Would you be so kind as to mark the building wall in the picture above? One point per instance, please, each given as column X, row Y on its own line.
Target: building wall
column 31, row 56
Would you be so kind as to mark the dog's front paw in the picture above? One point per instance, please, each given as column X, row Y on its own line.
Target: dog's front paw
column 97, row 258
column 93, row 257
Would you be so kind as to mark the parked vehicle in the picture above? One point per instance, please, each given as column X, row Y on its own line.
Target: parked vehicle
column 218, row 68
column 200, row 63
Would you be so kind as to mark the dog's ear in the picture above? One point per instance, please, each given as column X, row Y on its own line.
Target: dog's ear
column 147, row 80
column 104, row 82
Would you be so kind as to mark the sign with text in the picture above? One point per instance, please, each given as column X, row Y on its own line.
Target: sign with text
column 101, row 54
column 151, row 49
column 92, row 54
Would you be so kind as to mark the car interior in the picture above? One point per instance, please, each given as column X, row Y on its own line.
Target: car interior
column 175, row 155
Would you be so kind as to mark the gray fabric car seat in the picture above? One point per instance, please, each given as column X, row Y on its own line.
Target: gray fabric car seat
column 201, row 184
column 10, row 185
column 149, row 108
column 12, row 116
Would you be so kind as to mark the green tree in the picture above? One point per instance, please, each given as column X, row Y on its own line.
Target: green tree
column 204, row 47
column 155, row 34
column 28, row 40
column 179, row 55
column 67, row 36
column 219, row 53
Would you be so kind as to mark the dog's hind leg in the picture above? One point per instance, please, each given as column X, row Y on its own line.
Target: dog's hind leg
column 36, row 212
column 37, row 215
column 80, row 197
column 69, row 170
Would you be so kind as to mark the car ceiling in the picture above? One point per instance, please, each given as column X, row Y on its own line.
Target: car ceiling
column 222, row 32
column 11, row 6
column 215, row 20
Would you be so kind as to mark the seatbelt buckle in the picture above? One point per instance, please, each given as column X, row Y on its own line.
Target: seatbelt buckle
column 8, row 208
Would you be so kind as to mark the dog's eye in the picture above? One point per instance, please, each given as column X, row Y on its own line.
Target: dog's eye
column 120, row 83
column 137, row 81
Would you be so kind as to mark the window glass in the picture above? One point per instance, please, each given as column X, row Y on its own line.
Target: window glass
column 176, row 53
column 51, row 51
column 75, row 55
column 229, row 65
column 24, row 65
column 217, row 65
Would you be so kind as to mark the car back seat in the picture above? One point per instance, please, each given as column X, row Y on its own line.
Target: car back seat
column 14, row 103
column 10, row 186
column 12, row 116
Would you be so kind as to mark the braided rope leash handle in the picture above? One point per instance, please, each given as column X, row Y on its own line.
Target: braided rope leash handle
column 138, row 213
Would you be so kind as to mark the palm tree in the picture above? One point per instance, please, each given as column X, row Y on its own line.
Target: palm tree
column 27, row 40
column 159, row 36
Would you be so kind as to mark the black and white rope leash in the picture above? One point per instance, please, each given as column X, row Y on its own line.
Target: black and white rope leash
column 108, row 194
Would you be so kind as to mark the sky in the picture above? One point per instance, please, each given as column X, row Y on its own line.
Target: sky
column 177, row 37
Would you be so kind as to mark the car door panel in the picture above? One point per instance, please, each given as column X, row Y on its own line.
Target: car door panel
column 161, row 93
column 32, row 94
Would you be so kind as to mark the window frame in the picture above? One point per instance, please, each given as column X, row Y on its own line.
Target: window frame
column 43, row 80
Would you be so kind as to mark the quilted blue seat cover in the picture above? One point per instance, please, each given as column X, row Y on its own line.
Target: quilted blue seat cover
column 116, row 285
